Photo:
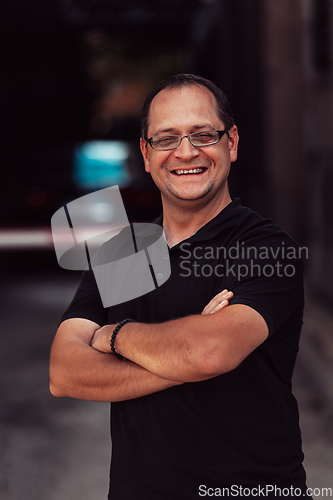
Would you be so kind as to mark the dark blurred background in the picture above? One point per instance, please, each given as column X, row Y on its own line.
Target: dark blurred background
column 74, row 75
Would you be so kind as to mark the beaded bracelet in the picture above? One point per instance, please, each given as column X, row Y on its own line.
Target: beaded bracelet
column 114, row 334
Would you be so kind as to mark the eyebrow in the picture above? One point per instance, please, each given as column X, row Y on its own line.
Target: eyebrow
column 205, row 126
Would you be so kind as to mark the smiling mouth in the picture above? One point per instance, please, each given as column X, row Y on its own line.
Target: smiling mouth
column 191, row 171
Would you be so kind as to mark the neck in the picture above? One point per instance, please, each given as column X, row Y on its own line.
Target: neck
column 181, row 221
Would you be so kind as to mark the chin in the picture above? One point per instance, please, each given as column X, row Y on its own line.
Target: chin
column 199, row 198
column 196, row 195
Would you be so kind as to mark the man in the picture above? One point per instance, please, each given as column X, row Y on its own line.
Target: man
column 200, row 381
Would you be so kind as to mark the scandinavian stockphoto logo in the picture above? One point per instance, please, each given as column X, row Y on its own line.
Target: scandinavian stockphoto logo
column 93, row 232
column 240, row 261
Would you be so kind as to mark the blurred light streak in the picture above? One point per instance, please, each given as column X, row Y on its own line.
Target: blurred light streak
column 26, row 239
column 41, row 239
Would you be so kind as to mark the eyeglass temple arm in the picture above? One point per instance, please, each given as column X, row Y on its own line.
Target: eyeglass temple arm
column 222, row 132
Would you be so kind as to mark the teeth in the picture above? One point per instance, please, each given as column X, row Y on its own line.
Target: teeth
column 191, row 171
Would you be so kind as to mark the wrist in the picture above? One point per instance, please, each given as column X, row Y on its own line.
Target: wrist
column 116, row 336
column 101, row 338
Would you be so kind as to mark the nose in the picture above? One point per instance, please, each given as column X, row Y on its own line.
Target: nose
column 186, row 151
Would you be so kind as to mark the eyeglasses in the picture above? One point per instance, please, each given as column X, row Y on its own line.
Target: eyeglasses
column 199, row 139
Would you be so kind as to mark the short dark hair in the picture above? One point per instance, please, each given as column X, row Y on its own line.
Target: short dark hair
column 182, row 80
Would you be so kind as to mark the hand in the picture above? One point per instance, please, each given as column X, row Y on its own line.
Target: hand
column 219, row 302
column 101, row 339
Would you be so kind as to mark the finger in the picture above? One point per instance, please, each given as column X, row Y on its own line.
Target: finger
column 225, row 294
column 220, row 306
column 214, row 302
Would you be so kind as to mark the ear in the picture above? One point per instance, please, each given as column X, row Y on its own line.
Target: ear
column 144, row 151
column 233, row 143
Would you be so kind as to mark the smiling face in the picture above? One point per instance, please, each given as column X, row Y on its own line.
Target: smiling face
column 189, row 174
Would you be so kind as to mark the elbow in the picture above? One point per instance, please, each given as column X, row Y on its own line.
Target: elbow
column 213, row 361
column 55, row 391
column 212, row 366
column 55, row 385
column 209, row 366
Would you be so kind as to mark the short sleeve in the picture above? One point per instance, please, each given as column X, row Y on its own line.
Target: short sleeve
column 87, row 302
column 271, row 281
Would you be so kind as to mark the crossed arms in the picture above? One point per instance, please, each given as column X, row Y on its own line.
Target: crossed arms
column 159, row 355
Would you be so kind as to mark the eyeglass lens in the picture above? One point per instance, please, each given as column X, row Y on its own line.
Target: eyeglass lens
column 197, row 139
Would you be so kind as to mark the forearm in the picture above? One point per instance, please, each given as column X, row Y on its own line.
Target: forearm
column 173, row 349
column 194, row 348
column 79, row 371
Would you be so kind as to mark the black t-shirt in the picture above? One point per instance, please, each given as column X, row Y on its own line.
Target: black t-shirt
column 240, row 428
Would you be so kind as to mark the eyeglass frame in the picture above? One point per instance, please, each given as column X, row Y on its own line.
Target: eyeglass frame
column 181, row 137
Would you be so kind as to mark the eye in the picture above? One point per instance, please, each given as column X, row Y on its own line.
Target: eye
column 165, row 141
column 205, row 136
